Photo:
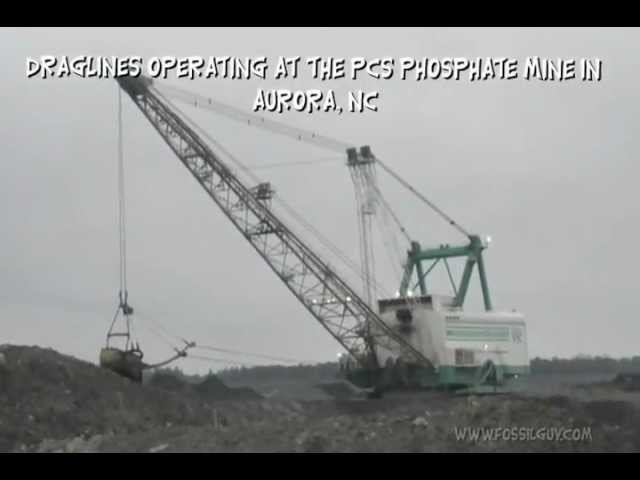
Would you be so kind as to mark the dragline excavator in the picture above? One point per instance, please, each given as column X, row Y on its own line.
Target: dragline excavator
column 411, row 340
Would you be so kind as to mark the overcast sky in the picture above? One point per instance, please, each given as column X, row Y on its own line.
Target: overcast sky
column 547, row 169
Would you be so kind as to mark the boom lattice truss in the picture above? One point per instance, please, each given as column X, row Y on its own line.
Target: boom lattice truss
column 338, row 308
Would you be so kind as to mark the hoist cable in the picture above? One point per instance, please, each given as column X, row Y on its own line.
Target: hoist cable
column 308, row 137
column 158, row 332
column 393, row 215
column 352, row 265
column 293, row 132
column 249, row 354
column 132, row 332
column 121, row 200
column 391, row 232
column 365, row 183
column 299, row 134
column 113, row 322
column 237, row 114
column 387, row 233
column 294, row 164
column 354, row 177
column 303, row 223
column 302, row 135
column 150, row 319
column 223, row 360
column 369, row 209
column 122, row 247
column 150, row 329
column 165, row 337
column 391, row 246
column 217, row 144
column 424, row 199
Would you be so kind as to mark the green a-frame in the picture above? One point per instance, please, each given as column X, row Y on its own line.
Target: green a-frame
column 473, row 253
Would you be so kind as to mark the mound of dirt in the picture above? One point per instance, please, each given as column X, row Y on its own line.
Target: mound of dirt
column 53, row 402
column 211, row 388
column 629, row 382
column 46, row 395
column 167, row 381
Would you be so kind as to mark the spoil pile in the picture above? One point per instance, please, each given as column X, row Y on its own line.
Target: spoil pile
column 53, row 402
column 424, row 424
column 629, row 382
column 45, row 395
column 211, row 388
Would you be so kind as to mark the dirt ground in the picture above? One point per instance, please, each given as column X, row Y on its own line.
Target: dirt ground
column 54, row 403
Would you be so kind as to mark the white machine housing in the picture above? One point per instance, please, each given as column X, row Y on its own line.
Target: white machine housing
column 450, row 337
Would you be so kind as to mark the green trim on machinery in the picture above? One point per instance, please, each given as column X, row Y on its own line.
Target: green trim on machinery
column 473, row 253
column 449, row 377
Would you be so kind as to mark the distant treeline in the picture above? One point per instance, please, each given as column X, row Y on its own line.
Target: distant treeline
column 325, row 371
column 317, row 372
column 313, row 373
column 585, row 364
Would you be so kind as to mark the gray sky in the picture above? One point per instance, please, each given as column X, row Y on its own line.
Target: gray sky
column 545, row 168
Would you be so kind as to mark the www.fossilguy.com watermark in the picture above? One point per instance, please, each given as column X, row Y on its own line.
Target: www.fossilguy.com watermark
column 522, row 434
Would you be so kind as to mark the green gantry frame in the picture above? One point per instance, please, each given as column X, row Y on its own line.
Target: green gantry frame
column 473, row 253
